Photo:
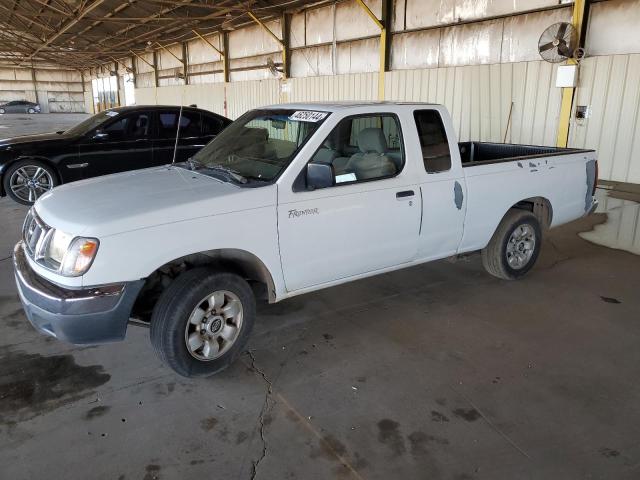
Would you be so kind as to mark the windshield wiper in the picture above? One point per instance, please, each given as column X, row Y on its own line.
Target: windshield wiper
column 197, row 165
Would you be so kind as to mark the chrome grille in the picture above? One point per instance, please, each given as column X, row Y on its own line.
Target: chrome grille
column 36, row 235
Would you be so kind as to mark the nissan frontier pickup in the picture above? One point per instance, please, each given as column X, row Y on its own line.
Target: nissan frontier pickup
column 288, row 199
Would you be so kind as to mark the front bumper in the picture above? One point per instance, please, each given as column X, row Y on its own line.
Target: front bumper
column 81, row 316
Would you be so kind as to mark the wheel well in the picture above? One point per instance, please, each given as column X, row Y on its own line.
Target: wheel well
column 540, row 207
column 241, row 262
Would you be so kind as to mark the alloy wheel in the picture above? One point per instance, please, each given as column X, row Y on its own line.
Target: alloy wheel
column 29, row 182
column 214, row 325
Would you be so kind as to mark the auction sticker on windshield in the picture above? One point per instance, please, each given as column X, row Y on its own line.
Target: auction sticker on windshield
column 308, row 116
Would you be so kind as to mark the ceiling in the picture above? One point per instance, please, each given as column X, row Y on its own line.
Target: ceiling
column 81, row 34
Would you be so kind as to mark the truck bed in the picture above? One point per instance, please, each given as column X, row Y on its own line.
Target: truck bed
column 474, row 153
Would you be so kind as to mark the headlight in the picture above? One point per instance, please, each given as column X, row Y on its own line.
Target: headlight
column 58, row 246
column 79, row 256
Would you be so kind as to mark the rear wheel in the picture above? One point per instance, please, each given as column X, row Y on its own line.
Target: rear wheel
column 28, row 180
column 202, row 321
column 514, row 247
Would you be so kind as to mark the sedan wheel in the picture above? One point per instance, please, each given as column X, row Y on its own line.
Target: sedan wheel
column 29, row 182
column 2, row 111
column 31, row 110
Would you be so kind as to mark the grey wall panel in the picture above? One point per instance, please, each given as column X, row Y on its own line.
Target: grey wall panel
column 610, row 87
column 415, row 50
column 613, row 28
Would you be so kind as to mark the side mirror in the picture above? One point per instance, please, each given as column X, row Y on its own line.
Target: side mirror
column 319, row 175
column 100, row 135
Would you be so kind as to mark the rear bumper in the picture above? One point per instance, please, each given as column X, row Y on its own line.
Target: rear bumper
column 592, row 208
column 80, row 316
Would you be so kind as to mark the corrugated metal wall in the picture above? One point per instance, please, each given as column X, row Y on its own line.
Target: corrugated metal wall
column 610, row 87
column 479, row 97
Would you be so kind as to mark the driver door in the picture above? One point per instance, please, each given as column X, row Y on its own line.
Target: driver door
column 121, row 145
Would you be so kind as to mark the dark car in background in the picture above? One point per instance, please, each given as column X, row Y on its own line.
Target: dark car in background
column 112, row 141
column 19, row 106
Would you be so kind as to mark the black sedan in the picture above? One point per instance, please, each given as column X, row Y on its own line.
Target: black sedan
column 19, row 106
column 116, row 140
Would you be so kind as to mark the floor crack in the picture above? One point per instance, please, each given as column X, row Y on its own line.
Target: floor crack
column 266, row 408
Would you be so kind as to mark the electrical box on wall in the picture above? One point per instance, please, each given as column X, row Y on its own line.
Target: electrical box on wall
column 566, row 76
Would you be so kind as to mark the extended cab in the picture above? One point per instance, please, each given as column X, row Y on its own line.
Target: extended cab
column 287, row 200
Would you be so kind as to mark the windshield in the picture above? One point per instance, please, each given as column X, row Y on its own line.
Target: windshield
column 260, row 144
column 92, row 122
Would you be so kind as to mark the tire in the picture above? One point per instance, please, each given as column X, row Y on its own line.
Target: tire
column 17, row 177
column 186, row 298
column 510, row 253
column 2, row 111
column 31, row 111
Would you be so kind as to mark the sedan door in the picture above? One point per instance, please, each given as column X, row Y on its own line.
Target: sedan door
column 190, row 139
column 121, row 145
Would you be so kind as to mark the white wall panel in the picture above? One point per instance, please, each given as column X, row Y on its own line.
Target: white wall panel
column 610, row 87
column 521, row 33
column 479, row 98
column 319, row 26
column 473, row 43
column 415, row 50
column 358, row 56
column 613, row 28
column 254, row 40
column 353, row 22
column 199, row 51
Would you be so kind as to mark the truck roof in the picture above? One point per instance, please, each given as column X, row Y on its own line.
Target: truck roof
column 334, row 106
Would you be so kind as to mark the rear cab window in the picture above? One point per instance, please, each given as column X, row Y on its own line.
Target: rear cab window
column 434, row 145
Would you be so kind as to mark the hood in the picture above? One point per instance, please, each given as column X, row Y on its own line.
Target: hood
column 113, row 204
column 40, row 137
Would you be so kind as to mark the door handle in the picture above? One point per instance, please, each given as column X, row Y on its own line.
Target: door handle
column 405, row 194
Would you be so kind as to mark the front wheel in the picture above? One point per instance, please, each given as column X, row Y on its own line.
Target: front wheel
column 2, row 111
column 514, row 247
column 202, row 321
column 28, row 180
column 31, row 111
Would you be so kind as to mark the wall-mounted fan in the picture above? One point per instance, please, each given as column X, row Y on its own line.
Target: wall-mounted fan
column 273, row 68
column 558, row 42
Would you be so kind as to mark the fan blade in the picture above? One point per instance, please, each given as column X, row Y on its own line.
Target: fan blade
column 562, row 30
column 563, row 49
column 546, row 46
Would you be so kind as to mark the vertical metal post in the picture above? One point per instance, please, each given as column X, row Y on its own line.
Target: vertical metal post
column 155, row 69
column 185, row 64
column 225, row 58
column 286, row 44
column 35, row 84
column 566, row 106
column 134, row 72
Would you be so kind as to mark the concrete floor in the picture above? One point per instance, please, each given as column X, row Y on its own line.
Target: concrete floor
column 435, row 372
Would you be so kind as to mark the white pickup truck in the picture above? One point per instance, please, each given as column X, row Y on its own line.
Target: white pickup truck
column 288, row 199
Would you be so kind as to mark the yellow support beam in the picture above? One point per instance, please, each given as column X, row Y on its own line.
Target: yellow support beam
column 275, row 37
column 567, row 93
column 383, row 47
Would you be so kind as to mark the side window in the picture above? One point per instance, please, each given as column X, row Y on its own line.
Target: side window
column 433, row 141
column 189, row 124
column 211, row 125
column 363, row 147
column 131, row 127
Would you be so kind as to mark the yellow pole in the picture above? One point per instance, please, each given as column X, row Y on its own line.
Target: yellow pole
column 568, row 92
column 383, row 48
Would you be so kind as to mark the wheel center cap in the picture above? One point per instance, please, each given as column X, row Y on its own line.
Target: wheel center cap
column 215, row 324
